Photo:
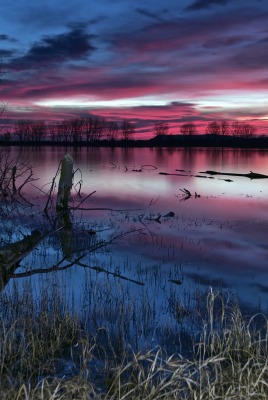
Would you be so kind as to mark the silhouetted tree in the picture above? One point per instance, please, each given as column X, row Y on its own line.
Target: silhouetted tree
column 188, row 128
column 76, row 129
column 243, row 129
column 112, row 130
column 88, row 128
column 99, row 128
column 225, row 127
column 6, row 130
column 214, row 128
column 249, row 130
column 23, row 130
column 38, row 130
column 218, row 128
column 52, row 132
column 94, row 128
column 161, row 128
column 64, row 131
column 6, row 136
column 127, row 129
column 236, row 128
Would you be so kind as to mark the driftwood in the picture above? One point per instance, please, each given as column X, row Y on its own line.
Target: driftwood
column 166, row 173
column 188, row 194
column 251, row 175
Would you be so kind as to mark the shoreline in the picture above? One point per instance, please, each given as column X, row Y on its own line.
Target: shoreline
column 160, row 141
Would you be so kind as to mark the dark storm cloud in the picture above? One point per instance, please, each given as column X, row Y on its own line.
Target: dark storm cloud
column 204, row 4
column 6, row 38
column 6, row 53
column 73, row 45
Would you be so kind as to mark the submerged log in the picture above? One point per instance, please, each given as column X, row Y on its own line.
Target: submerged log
column 65, row 183
column 251, row 175
column 166, row 173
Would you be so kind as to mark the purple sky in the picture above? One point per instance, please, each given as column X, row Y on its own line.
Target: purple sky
column 172, row 61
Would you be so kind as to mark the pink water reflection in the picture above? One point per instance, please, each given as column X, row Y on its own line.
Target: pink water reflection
column 220, row 236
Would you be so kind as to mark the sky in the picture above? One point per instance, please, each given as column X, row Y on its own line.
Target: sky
column 175, row 61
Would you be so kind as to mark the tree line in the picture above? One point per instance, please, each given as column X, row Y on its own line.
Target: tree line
column 94, row 129
column 235, row 128
column 75, row 130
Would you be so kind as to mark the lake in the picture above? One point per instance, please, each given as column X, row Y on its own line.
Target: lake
column 157, row 233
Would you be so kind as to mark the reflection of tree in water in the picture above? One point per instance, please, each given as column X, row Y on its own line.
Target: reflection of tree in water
column 14, row 176
column 12, row 254
column 75, row 244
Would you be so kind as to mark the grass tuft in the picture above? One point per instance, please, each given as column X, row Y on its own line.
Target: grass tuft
column 47, row 355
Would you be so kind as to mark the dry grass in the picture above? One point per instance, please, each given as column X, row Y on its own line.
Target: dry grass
column 229, row 361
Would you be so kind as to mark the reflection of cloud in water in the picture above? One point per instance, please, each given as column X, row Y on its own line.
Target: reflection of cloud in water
column 207, row 281
column 212, row 253
column 261, row 287
column 219, row 239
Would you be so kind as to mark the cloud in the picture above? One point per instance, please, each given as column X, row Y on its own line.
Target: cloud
column 7, row 38
column 97, row 19
column 204, row 4
column 225, row 41
column 188, row 32
column 6, row 53
column 51, row 50
column 150, row 14
column 195, row 54
column 144, row 54
column 264, row 40
column 252, row 56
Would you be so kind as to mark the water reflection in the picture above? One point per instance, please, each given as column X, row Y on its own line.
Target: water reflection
column 218, row 239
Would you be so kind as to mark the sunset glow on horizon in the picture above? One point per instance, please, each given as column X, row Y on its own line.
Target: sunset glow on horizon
column 189, row 61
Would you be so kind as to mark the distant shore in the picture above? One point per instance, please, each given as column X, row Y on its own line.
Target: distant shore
column 160, row 141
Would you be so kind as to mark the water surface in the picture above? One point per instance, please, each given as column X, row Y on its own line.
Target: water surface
column 216, row 238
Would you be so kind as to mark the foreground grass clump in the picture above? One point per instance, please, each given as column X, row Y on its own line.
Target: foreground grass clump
column 229, row 361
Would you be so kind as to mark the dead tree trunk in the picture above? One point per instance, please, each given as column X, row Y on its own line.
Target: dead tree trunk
column 65, row 183
column 63, row 197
